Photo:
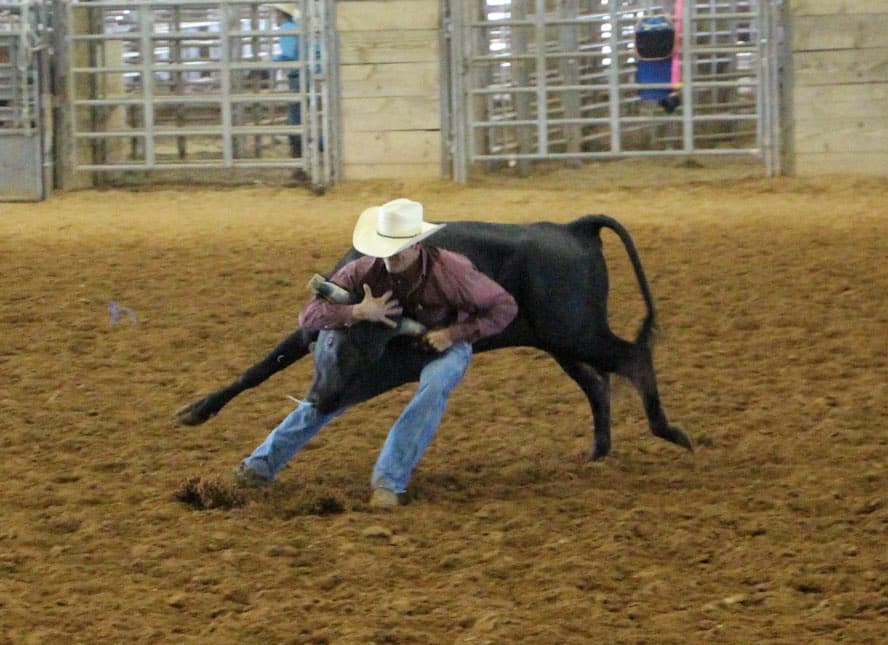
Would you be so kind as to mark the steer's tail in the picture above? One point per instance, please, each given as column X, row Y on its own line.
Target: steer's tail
column 638, row 363
column 645, row 335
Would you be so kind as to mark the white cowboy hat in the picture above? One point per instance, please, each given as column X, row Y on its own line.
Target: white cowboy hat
column 384, row 230
column 290, row 8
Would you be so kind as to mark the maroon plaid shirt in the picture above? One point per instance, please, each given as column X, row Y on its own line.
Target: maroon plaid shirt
column 449, row 292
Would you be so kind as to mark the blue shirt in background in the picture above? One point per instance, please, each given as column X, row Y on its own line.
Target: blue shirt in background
column 289, row 44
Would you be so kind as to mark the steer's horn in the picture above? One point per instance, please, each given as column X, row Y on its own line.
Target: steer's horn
column 410, row 327
column 329, row 291
column 332, row 292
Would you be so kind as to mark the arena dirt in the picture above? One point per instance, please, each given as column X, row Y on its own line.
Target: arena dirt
column 772, row 305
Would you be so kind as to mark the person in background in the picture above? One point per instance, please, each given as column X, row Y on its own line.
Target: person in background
column 287, row 16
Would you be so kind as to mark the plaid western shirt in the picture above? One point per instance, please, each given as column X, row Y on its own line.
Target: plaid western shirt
column 448, row 292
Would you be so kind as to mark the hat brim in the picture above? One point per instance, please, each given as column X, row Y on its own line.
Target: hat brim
column 366, row 240
column 289, row 9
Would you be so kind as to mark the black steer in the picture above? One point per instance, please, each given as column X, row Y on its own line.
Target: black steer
column 558, row 276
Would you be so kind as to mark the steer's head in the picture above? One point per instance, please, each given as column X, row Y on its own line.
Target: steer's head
column 341, row 356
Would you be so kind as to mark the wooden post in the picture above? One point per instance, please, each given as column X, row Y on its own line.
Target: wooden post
column 79, row 87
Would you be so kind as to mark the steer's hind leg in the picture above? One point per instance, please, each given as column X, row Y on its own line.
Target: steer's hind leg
column 640, row 371
column 596, row 386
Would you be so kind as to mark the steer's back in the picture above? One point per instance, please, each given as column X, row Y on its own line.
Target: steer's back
column 556, row 273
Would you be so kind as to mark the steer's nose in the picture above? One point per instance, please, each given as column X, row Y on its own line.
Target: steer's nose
column 323, row 404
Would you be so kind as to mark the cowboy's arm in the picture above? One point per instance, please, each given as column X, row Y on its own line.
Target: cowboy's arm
column 485, row 308
column 488, row 308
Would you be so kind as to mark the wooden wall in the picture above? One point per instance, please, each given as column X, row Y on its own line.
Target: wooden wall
column 839, row 102
column 390, row 88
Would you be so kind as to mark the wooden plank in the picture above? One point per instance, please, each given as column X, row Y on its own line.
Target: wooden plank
column 394, row 14
column 841, row 66
column 395, row 79
column 856, row 101
column 839, row 32
column 388, row 46
column 391, row 113
column 845, row 135
column 835, row 7
column 358, row 171
column 873, row 163
column 407, row 146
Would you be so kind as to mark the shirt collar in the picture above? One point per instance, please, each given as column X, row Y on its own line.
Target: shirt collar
column 424, row 261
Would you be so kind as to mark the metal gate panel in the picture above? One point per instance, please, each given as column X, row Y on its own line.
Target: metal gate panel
column 556, row 79
column 193, row 84
column 25, row 132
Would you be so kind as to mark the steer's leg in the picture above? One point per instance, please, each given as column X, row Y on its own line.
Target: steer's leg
column 289, row 350
column 596, row 386
column 638, row 367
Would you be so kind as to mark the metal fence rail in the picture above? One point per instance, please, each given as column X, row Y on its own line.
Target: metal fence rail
column 194, row 84
column 556, row 79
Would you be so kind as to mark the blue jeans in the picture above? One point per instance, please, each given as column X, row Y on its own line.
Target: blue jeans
column 406, row 442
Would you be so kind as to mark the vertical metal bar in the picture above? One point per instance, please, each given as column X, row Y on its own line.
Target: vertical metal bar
column 255, row 85
column 72, row 82
column 689, row 35
column 444, row 85
column 613, row 79
column 762, row 87
column 309, row 27
column 325, row 62
column 178, row 79
column 225, row 85
column 235, row 78
column 542, row 112
column 146, row 23
column 771, row 89
column 332, row 144
column 776, row 9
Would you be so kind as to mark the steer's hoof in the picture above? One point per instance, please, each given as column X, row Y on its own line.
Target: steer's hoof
column 192, row 414
column 599, row 452
column 677, row 436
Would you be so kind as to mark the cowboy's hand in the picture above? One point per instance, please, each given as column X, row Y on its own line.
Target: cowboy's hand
column 377, row 309
column 438, row 339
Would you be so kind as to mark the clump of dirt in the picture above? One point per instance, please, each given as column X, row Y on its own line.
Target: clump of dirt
column 310, row 503
column 203, row 493
column 326, row 505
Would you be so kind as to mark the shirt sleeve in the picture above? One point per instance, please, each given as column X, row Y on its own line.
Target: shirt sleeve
column 485, row 308
column 320, row 314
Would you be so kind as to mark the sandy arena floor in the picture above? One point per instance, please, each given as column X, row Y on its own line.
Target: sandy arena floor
column 773, row 301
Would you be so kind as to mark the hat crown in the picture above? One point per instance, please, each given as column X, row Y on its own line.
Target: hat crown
column 382, row 231
column 399, row 218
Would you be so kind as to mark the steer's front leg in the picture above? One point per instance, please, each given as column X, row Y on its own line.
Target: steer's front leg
column 288, row 351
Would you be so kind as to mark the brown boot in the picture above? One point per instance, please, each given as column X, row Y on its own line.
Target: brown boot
column 384, row 499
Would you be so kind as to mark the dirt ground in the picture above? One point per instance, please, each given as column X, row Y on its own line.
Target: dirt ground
column 772, row 299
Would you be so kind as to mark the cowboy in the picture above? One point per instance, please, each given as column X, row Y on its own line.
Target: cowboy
column 399, row 274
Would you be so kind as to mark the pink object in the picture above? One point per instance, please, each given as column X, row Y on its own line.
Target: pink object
column 678, row 22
